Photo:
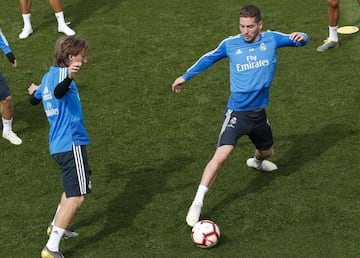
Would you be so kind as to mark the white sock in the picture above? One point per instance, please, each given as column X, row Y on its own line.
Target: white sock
column 55, row 238
column 7, row 125
column 27, row 21
column 333, row 35
column 53, row 221
column 200, row 194
column 60, row 19
column 258, row 161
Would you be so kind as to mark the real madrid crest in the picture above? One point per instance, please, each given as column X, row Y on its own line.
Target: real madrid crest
column 262, row 47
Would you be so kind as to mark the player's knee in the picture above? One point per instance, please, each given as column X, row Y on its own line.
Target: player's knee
column 333, row 3
column 222, row 153
column 6, row 100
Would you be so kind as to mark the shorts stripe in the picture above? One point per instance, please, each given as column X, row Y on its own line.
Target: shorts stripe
column 80, row 168
column 225, row 123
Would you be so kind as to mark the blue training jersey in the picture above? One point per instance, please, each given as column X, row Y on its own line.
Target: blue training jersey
column 4, row 44
column 252, row 67
column 64, row 115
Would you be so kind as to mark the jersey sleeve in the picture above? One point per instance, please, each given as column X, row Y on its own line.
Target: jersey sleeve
column 283, row 40
column 206, row 61
column 37, row 94
column 4, row 44
column 62, row 88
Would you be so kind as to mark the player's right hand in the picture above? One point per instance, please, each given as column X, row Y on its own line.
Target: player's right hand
column 32, row 88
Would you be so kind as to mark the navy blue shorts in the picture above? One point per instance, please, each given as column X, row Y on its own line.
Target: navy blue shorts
column 4, row 89
column 250, row 123
column 75, row 171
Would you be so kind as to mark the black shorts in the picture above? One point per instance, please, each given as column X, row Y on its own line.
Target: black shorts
column 4, row 89
column 75, row 171
column 250, row 123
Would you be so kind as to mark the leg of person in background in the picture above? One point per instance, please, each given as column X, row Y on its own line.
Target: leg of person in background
column 333, row 18
column 7, row 113
column 59, row 14
column 25, row 6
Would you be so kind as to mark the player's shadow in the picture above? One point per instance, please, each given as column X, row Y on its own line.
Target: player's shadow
column 32, row 116
column 304, row 148
column 144, row 183
column 82, row 11
column 344, row 39
column 78, row 11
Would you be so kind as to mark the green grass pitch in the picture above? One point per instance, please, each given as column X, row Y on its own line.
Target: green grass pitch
column 149, row 146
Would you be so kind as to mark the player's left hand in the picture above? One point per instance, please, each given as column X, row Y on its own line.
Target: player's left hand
column 297, row 36
column 14, row 64
column 177, row 85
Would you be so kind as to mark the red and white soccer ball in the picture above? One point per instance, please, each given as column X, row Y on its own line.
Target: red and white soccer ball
column 205, row 234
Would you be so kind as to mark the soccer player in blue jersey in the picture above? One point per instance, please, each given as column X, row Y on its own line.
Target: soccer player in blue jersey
column 252, row 63
column 5, row 96
column 67, row 137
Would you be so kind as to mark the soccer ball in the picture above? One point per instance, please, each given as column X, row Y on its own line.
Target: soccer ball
column 205, row 234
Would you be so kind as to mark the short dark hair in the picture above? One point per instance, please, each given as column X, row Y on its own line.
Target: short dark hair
column 251, row 11
column 66, row 46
